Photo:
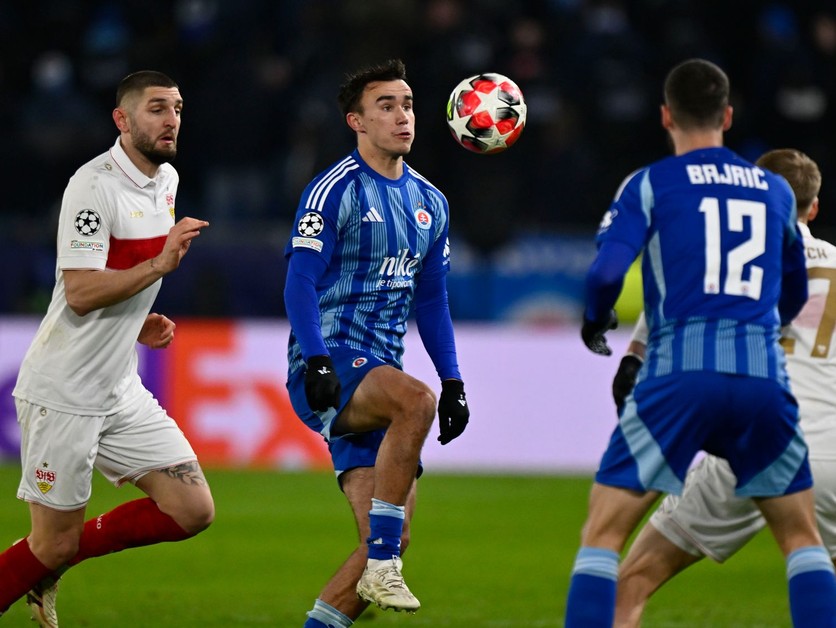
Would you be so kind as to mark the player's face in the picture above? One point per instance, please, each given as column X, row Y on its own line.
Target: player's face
column 155, row 123
column 388, row 119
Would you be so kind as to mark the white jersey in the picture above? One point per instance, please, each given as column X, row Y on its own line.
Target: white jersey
column 810, row 344
column 113, row 217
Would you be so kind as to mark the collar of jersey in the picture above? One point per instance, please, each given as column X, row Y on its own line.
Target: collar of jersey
column 379, row 177
column 127, row 166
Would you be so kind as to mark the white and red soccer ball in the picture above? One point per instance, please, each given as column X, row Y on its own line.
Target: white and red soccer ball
column 486, row 113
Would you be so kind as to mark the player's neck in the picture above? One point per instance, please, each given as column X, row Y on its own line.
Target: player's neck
column 142, row 163
column 695, row 140
column 385, row 164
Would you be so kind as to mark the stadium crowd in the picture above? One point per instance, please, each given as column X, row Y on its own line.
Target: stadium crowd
column 258, row 81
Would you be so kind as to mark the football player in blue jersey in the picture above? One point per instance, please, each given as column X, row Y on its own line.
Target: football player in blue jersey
column 708, row 519
column 722, row 266
column 370, row 243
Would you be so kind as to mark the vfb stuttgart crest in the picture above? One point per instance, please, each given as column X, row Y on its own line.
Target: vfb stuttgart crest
column 87, row 222
column 45, row 479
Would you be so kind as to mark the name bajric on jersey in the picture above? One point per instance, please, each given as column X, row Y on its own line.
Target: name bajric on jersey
column 728, row 174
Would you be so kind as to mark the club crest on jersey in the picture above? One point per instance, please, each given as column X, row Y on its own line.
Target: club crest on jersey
column 310, row 225
column 45, row 478
column 87, row 222
column 423, row 218
column 358, row 362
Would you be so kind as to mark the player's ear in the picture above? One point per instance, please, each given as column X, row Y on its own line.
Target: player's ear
column 120, row 118
column 354, row 122
column 665, row 117
column 814, row 210
column 727, row 118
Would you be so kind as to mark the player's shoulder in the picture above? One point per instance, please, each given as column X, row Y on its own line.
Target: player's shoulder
column 424, row 183
column 824, row 248
column 333, row 180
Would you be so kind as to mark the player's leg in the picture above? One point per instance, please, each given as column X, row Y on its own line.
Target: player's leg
column 391, row 399
column 651, row 561
column 145, row 446
column 52, row 541
column 810, row 571
column 338, row 601
column 613, row 515
column 824, row 490
column 405, row 407
column 708, row 519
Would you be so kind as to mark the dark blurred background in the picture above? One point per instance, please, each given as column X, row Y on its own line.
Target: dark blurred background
column 260, row 77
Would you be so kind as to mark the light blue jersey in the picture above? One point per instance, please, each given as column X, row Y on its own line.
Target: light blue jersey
column 378, row 237
column 718, row 233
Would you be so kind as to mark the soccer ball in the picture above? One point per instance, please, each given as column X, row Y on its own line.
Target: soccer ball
column 486, row 113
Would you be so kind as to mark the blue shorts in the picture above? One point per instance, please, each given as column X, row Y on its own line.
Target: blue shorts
column 751, row 422
column 348, row 451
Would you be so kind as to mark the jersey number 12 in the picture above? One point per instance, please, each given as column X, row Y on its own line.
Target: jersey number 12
column 739, row 256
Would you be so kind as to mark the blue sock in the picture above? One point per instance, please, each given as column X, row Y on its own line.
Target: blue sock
column 812, row 585
column 591, row 601
column 386, row 522
column 326, row 616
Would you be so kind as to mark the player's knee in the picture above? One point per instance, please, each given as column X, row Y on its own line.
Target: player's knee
column 422, row 406
column 55, row 550
column 200, row 517
column 196, row 516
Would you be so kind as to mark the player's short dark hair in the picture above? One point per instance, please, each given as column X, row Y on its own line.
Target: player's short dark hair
column 138, row 81
column 697, row 93
column 351, row 91
column 801, row 172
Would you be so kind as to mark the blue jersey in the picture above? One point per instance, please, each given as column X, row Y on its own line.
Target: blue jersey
column 717, row 234
column 378, row 238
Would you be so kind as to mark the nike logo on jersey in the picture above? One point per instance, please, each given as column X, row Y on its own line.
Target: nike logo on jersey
column 372, row 216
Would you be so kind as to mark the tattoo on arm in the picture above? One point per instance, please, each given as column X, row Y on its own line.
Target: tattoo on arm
column 188, row 473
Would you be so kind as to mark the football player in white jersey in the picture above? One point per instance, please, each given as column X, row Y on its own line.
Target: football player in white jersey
column 708, row 519
column 80, row 402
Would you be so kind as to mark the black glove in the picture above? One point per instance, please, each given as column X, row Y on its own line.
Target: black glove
column 593, row 332
column 322, row 386
column 625, row 378
column 453, row 412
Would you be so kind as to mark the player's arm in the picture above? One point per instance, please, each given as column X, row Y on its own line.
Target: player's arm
column 604, row 281
column 794, row 286
column 88, row 290
column 631, row 363
column 322, row 386
column 435, row 326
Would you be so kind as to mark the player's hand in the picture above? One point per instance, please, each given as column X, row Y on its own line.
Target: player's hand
column 177, row 244
column 157, row 331
column 322, row 386
column 625, row 378
column 453, row 413
column 593, row 332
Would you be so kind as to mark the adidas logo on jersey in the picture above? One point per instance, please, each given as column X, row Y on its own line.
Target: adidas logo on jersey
column 372, row 216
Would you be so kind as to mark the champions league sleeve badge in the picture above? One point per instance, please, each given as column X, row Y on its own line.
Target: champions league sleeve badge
column 87, row 222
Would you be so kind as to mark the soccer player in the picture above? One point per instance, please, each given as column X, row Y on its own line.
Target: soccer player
column 708, row 519
column 80, row 402
column 370, row 242
column 722, row 267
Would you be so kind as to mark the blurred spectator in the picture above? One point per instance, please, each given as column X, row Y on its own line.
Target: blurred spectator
column 258, row 80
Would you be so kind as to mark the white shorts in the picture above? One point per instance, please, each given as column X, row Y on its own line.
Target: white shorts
column 709, row 520
column 58, row 451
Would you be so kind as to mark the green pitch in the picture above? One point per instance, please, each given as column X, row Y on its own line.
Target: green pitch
column 487, row 552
